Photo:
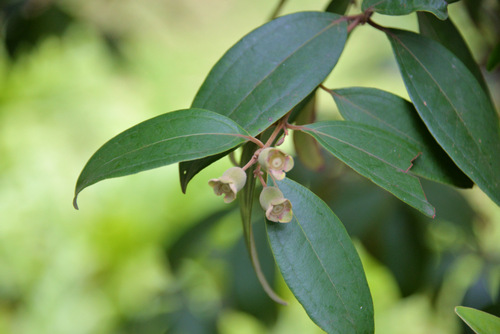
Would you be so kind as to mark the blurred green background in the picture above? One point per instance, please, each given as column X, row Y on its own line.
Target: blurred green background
column 141, row 257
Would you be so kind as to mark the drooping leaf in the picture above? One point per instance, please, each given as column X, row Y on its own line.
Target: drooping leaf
column 320, row 265
column 394, row 114
column 448, row 35
column 403, row 7
column 169, row 138
column 453, row 106
column 481, row 322
column 269, row 71
column 246, row 198
column 246, row 195
column 243, row 291
column 306, row 147
column 376, row 154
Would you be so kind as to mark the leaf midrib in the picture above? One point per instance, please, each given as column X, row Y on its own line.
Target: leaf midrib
column 303, row 45
column 469, row 134
column 403, row 134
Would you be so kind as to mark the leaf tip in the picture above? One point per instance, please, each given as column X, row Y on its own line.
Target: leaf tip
column 183, row 178
column 75, row 204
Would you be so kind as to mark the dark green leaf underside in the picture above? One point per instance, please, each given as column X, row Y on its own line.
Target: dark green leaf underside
column 166, row 139
column 320, row 265
column 403, row 7
column 481, row 322
column 454, row 107
column 376, row 154
column 394, row 114
column 269, row 71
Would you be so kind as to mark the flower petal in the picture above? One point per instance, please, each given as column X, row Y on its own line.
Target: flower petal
column 229, row 183
column 277, row 174
column 288, row 164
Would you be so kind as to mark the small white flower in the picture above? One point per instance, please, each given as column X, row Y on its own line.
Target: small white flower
column 232, row 181
column 278, row 208
column 275, row 162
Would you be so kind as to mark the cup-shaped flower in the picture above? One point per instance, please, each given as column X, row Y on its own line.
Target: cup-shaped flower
column 278, row 208
column 275, row 162
column 232, row 181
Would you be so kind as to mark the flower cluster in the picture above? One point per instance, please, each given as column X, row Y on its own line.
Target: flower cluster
column 276, row 163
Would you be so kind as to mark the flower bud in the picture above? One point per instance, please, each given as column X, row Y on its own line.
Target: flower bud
column 275, row 162
column 232, row 181
column 278, row 208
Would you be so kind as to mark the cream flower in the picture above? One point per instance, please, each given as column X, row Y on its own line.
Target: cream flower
column 275, row 162
column 278, row 208
column 232, row 181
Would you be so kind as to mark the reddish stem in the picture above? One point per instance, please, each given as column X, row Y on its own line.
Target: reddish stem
column 252, row 161
column 376, row 25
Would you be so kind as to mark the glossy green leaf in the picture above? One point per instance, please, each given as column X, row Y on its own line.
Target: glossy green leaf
column 320, row 265
column 494, row 58
column 453, row 106
column 448, row 35
column 269, row 71
column 394, row 114
column 481, row 322
column 376, row 154
column 403, row 7
column 169, row 138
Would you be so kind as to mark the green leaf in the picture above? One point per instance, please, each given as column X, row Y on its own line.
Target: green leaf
column 403, row 7
column 481, row 322
column 246, row 195
column 246, row 199
column 494, row 58
column 320, row 265
column 394, row 114
column 448, row 35
column 269, row 71
column 169, row 138
column 453, row 106
column 306, row 147
column 376, row 154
